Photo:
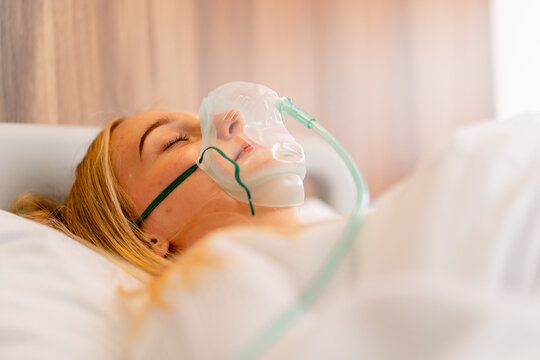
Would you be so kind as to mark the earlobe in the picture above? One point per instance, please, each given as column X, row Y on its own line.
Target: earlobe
column 159, row 246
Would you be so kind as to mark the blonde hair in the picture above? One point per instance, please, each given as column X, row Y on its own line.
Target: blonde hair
column 97, row 212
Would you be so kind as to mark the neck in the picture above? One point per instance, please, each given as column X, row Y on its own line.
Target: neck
column 204, row 224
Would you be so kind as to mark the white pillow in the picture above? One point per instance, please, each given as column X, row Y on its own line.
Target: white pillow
column 58, row 298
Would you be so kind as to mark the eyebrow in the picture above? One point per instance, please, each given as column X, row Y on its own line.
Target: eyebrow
column 149, row 129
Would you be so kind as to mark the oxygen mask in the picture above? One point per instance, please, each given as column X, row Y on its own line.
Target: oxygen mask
column 246, row 148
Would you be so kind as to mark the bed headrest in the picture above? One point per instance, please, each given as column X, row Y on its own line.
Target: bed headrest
column 43, row 158
column 40, row 158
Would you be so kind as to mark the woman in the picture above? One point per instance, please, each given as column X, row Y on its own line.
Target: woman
column 129, row 163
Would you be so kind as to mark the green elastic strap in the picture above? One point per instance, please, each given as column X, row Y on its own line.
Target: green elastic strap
column 236, row 173
column 166, row 192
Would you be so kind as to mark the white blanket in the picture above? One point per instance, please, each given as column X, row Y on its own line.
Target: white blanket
column 445, row 268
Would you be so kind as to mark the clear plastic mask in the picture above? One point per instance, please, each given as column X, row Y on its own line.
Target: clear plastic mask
column 242, row 120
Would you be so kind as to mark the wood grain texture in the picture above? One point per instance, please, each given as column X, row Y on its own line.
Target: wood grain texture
column 390, row 78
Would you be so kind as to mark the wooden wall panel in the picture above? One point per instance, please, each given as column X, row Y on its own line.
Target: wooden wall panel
column 18, row 41
column 225, row 41
column 283, row 51
column 390, row 78
column 366, row 82
column 451, row 66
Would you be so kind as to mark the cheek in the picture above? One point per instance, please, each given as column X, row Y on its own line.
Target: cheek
column 194, row 192
column 160, row 175
column 144, row 191
column 184, row 203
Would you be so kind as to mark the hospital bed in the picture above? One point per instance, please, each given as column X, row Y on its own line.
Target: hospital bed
column 447, row 267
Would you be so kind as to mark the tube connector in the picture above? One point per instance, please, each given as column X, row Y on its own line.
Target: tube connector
column 287, row 107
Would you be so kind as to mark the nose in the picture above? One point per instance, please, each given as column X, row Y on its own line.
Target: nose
column 229, row 124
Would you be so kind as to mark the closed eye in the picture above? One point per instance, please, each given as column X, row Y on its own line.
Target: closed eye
column 170, row 143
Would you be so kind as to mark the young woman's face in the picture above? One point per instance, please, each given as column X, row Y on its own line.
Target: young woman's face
column 152, row 149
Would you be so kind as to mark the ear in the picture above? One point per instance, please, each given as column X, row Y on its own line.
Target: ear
column 159, row 246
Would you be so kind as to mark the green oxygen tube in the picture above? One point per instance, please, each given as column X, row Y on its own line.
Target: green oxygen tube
column 271, row 333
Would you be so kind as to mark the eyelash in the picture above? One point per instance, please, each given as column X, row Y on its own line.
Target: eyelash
column 170, row 143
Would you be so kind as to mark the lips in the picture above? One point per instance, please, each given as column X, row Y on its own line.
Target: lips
column 245, row 146
column 240, row 153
